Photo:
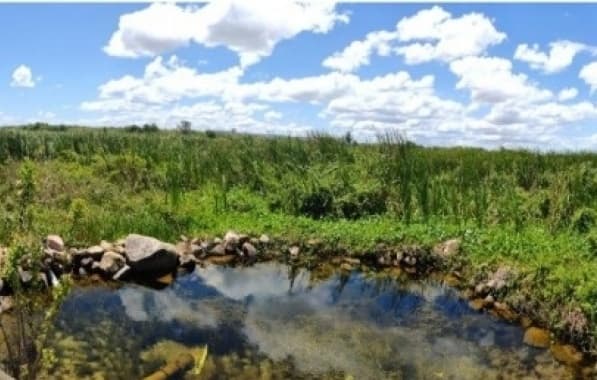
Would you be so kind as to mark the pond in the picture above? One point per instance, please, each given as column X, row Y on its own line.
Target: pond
column 272, row 321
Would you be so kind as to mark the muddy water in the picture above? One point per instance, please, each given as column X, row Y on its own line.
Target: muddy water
column 270, row 321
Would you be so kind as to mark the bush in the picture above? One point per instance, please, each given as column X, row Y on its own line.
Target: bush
column 317, row 203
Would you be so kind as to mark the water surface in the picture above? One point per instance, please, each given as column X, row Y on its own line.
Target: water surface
column 271, row 321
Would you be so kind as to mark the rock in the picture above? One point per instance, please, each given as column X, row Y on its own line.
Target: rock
column 249, row 249
column 187, row 261
column 106, row 246
column 525, row 322
column 410, row 260
column 352, row 261
column 537, row 337
column 477, row 304
column 566, row 354
column 221, row 260
column 489, row 300
column 232, row 237
column 6, row 303
column 346, row 267
column 149, row 256
column 196, row 250
column 264, row 239
column 55, row 242
column 25, row 275
column 242, row 239
column 87, row 262
column 218, row 250
column 110, row 263
column 451, row 280
column 95, row 251
column 447, row 248
column 82, row 272
column 217, row 240
column 503, row 311
column 294, row 251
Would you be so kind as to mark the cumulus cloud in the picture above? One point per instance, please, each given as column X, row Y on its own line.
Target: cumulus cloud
column 589, row 74
column 358, row 53
column 491, row 80
column 251, row 29
column 560, row 55
column 567, row 94
column 438, row 35
column 22, row 77
column 430, row 34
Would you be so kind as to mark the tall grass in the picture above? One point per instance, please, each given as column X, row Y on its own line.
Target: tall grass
column 324, row 177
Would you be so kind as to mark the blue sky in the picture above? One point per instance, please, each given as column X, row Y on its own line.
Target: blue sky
column 487, row 75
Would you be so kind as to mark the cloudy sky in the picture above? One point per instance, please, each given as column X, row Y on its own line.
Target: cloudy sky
column 485, row 75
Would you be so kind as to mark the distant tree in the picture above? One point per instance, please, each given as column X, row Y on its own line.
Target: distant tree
column 150, row 127
column 209, row 133
column 184, row 126
column 348, row 138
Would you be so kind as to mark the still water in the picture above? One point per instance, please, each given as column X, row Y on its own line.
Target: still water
column 271, row 321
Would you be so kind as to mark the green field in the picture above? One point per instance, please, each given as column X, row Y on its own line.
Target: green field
column 535, row 212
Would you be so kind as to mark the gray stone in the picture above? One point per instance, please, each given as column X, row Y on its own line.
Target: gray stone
column 218, row 250
column 55, row 242
column 264, row 239
column 294, row 251
column 448, row 248
column 232, row 237
column 249, row 249
column 6, row 303
column 149, row 256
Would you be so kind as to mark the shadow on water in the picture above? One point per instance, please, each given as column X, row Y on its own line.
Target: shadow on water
column 271, row 321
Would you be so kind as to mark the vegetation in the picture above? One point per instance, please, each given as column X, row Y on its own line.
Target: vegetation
column 533, row 211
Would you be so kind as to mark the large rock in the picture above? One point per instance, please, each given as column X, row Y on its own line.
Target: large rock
column 55, row 242
column 148, row 256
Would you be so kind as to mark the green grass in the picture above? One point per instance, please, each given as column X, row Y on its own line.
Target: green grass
column 534, row 212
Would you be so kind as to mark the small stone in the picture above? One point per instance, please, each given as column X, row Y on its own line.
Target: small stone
column 82, row 272
column 110, row 263
column 477, row 304
column 217, row 240
column 55, row 242
column 481, row 289
column 352, row 261
column 249, row 250
column 196, row 250
column 218, row 250
column 346, row 267
column 537, row 337
column 294, row 251
column 87, row 261
column 489, row 300
column 264, row 239
column 503, row 311
column 6, row 303
column 566, row 354
column 188, row 262
column 525, row 322
column 232, row 237
column 451, row 280
column 106, row 246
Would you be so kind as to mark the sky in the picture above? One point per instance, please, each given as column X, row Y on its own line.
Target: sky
column 487, row 75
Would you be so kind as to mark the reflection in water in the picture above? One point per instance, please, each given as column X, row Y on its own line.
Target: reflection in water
column 269, row 321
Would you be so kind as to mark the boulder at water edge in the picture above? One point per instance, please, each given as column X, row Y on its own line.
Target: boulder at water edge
column 148, row 256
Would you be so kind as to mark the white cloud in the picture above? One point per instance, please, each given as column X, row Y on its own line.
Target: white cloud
column 358, row 53
column 22, row 77
column 589, row 74
column 439, row 35
column 251, row 29
column 567, row 94
column 561, row 54
column 430, row 34
column 491, row 80
column 272, row 115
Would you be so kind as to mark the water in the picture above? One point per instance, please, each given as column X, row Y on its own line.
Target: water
column 271, row 321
